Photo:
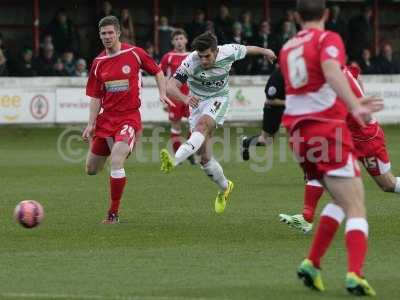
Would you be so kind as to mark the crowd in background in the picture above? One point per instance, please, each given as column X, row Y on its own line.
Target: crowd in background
column 60, row 48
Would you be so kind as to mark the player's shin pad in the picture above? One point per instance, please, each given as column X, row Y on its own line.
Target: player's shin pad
column 190, row 147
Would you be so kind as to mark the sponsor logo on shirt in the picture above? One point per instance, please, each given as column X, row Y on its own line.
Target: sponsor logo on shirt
column 117, row 85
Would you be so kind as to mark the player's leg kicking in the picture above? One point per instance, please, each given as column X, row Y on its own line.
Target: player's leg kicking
column 203, row 121
column 214, row 171
column 176, row 138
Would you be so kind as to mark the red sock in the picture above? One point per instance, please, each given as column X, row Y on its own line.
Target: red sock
column 357, row 244
column 176, row 141
column 116, row 189
column 322, row 239
column 312, row 194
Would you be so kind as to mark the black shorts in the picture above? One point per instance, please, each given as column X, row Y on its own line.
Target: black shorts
column 272, row 118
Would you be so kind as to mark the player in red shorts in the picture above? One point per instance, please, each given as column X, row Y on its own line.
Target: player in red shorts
column 369, row 143
column 169, row 64
column 114, row 120
column 318, row 100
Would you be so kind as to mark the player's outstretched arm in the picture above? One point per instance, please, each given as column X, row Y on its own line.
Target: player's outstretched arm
column 94, row 109
column 162, row 88
column 361, row 110
column 268, row 53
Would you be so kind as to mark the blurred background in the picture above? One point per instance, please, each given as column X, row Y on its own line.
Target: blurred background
column 59, row 38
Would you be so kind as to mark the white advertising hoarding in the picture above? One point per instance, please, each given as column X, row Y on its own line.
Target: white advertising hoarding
column 152, row 109
column 390, row 93
column 246, row 103
column 34, row 104
column 18, row 106
column 72, row 105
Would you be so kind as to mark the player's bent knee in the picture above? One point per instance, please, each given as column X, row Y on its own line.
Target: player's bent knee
column 204, row 125
column 204, row 160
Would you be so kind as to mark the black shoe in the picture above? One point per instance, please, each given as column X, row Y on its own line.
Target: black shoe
column 245, row 148
column 111, row 218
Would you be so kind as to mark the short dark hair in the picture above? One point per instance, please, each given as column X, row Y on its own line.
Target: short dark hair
column 205, row 41
column 178, row 31
column 110, row 20
column 311, row 10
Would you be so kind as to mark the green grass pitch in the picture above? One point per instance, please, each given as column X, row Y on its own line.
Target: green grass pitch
column 171, row 244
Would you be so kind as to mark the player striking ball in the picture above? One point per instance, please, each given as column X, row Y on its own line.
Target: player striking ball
column 114, row 119
column 207, row 72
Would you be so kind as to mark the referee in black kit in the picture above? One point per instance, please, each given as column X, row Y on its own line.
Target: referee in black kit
column 272, row 116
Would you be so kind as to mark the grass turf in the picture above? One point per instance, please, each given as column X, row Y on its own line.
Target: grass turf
column 170, row 244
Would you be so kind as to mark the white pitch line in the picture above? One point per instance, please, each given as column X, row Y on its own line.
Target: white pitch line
column 98, row 297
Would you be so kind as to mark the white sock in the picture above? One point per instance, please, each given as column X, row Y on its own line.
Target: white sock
column 357, row 224
column 214, row 170
column 333, row 211
column 314, row 182
column 118, row 173
column 189, row 147
column 397, row 186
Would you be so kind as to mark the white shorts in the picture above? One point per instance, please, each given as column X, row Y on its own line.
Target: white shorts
column 216, row 108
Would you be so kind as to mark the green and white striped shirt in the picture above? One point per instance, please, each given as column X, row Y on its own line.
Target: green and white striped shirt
column 212, row 82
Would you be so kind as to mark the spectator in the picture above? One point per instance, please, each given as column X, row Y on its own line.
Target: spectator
column 47, row 40
column 25, row 66
column 237, row 34
column 150, row 49
column 292, row 27
column 106, row 10
column 81, row 68
column 223, row 24
column 366, row 63
column 285, row 34
column 335, row 22
column 3, row 59
column 127, row 29
column 248, row 27
column 243, row 66
column 360, row 33
column 211, row 28
column 197, row 26
column 69, row 62
column 265, row 39
column 164, row 35
column 58, row 68
column 386, row 63
column 62, row 32
column 3, row 64
column 46, row 61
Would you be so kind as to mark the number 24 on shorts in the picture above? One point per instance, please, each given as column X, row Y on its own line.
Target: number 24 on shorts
column 127, row 129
